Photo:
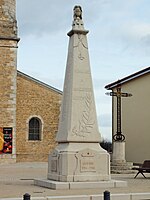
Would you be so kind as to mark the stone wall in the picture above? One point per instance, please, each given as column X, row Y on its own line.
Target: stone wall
column 36, row 100
column 8, row 25
column 8, row 56
column 7, row 83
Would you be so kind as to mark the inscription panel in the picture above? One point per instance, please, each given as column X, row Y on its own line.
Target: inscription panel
column 54, row 165
column 87, row 165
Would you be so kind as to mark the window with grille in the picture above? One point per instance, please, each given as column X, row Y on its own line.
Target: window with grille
column 34, row 129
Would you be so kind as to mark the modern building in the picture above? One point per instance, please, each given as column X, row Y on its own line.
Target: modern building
column 135, row 115
column 29, row 109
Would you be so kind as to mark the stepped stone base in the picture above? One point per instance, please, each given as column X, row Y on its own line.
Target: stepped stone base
column 122, row 168
column 56, row 185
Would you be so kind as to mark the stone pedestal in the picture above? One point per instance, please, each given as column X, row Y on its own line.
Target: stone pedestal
column 119, row 164
column 81, row 162
column 118, row 156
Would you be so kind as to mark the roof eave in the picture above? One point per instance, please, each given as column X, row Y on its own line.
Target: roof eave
column 128, row 78
column 39, row 82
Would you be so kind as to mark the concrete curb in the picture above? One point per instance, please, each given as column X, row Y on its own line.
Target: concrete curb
column 128, row 196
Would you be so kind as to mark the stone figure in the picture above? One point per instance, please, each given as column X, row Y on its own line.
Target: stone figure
column 77, row 13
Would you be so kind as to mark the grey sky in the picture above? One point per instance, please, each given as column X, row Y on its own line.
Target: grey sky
column 119, row 42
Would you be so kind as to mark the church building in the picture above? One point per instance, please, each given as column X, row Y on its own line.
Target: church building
column 135, row 114
column 29, row 108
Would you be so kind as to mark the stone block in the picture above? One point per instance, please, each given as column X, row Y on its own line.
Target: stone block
column 91, row 185
column 73, row 197
column 97, row 197
column 120, row 197
column 52, row 184
column 140, row 196
column 120, row 183
column 79, row 185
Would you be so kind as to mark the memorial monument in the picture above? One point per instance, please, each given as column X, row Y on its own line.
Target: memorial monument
column 78, row 156
column 78, row 161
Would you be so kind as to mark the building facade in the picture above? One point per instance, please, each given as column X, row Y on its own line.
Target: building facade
column 135, row 115
column 37, row 115
column 29, row 109
column 8, row 57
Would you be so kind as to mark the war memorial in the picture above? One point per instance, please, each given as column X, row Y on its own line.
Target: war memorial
column 78, row 161
column 78, row 167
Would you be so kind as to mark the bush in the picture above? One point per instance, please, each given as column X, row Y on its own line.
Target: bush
column 106, row 145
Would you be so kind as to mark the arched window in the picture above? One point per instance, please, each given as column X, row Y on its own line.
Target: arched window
column 34, row 129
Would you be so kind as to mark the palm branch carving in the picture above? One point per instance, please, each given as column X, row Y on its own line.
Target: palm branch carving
column 85, row 124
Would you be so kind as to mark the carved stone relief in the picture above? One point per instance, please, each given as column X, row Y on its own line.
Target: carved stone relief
column 85, row 124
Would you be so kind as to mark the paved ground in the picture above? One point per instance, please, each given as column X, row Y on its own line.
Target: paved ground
column 17, row 179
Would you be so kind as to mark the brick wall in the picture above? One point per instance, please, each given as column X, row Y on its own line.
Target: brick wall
column 34, row 99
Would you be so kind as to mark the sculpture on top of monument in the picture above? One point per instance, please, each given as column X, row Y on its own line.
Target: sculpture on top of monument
column 77, row 18
column 77, row 12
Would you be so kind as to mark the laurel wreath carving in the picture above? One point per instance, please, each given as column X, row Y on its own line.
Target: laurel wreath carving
column 85, row 124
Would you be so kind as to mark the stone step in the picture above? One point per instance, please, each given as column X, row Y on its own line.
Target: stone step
column 122, row 168
column 123, row 171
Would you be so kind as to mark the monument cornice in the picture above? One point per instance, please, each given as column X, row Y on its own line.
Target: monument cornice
column 77, row 31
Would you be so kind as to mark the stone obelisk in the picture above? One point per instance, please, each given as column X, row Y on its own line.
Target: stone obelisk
column 78, row 161
column 78, row 156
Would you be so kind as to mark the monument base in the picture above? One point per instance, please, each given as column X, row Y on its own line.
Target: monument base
column 79, row 166
column 122, row 168
column 79, row 162
column 57, row 185
column 119, row 164
column 118, row 155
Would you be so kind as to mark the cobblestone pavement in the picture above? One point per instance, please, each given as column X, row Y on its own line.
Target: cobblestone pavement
column 17, row 179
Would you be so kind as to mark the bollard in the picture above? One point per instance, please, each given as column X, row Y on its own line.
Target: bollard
column 106, row 195
column 26, row 196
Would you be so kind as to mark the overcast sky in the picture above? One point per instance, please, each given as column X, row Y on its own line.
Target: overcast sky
column 118, row 40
